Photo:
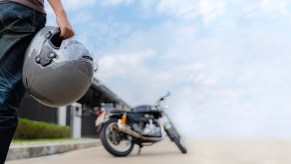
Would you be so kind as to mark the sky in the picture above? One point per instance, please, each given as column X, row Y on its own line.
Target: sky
column 226, row 62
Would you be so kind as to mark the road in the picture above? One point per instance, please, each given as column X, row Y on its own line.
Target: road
column 200, row 151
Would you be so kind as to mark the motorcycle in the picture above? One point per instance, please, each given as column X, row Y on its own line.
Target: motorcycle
column 144, row 125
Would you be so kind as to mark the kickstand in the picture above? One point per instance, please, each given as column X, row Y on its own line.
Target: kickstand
column 139, row 149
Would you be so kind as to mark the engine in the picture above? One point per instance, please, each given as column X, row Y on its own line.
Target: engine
column 148, row 126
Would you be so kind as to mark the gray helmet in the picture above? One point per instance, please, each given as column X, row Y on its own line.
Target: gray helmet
column 56, row 72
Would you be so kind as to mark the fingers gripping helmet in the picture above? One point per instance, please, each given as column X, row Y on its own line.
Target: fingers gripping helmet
column 56, row 72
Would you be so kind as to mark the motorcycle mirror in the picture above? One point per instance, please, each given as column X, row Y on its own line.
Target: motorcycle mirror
column 163, row 98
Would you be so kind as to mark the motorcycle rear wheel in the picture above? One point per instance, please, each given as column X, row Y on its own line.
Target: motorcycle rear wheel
column 112, row 139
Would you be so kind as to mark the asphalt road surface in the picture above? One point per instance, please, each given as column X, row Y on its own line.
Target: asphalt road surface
column 200, row 151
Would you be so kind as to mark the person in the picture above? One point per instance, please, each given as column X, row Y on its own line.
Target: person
column 20, row 20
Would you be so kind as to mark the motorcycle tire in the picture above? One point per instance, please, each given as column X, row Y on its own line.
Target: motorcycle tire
column 180, row 144
column 108, row 145
column 175, row 137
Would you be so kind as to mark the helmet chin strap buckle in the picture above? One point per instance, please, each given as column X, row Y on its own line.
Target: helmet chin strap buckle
column 46, row 56
column 43, row 61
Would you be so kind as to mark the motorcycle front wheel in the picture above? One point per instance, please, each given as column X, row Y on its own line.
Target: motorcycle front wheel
column 175, row 137
column 115, row 142
column 180, row 144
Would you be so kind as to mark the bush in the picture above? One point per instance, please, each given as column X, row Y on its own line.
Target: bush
column 28, row 129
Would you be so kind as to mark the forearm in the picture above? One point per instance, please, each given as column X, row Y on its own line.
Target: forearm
column 57, row 7
column 61, row 18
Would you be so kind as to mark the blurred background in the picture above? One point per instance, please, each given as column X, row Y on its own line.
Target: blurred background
column 225, row 62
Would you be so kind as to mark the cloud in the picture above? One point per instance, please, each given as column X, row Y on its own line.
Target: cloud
column 108, row 3
column 123, row 65
column 275, row 7
column 77, row 4
column 212, row 10
column 189, row 10
column 184, row 8
column 262, row 8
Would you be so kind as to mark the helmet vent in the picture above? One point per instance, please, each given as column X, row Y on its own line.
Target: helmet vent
column 56, row 41
column 87, row 57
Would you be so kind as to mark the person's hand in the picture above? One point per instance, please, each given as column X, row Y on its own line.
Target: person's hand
column 62, row 19
column 65, row 27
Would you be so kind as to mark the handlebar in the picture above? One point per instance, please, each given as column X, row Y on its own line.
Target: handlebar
column 158, row 103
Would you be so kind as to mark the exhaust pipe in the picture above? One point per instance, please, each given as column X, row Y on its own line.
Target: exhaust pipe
column 128, row 131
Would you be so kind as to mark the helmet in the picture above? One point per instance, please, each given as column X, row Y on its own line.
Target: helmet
column 56, row 72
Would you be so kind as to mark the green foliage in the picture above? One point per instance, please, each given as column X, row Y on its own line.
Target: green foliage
column 28, row 129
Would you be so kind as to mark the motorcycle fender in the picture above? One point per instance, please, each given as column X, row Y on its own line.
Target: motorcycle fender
column 106, row 118
column 99, row 128
column 101, row 119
